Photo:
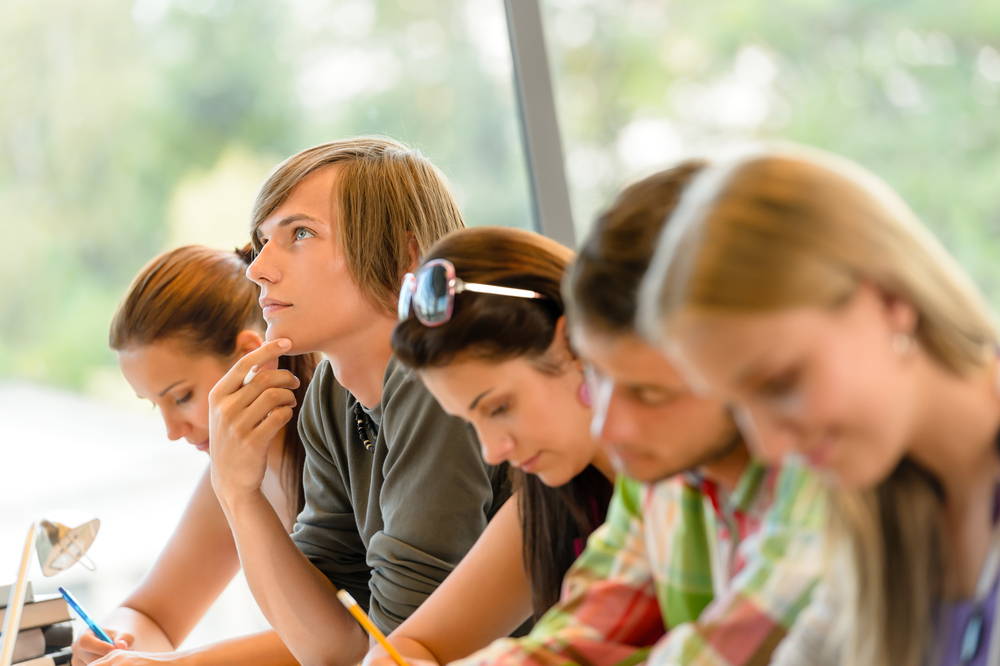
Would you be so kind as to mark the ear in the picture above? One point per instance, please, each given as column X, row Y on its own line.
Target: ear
column 560, row 349
column 247, row 340
column 413, row 252
column 899, row 312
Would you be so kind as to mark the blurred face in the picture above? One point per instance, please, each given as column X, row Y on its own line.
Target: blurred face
column 177, row 383
column 532, row 419
column 307, row 292
column 823, row 382
column 651, row 423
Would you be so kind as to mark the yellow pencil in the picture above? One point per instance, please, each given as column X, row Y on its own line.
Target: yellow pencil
column 359, row 614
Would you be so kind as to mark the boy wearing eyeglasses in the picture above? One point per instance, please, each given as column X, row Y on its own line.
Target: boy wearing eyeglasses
column 395, row 489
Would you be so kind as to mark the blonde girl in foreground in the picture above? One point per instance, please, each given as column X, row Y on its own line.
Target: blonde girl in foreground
column 801, row 288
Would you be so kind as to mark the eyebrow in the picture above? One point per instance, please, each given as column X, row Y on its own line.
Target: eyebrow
column 475, row 401
column 163, row 392
column 285, row 221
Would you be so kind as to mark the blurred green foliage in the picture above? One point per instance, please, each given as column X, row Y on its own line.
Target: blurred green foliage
column 114, row 110
column 111, row 106
column 910, row 90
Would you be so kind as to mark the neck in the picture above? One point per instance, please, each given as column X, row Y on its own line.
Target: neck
column 955, row 433
column 727, row 469
column 603, row 464
column 359, row 360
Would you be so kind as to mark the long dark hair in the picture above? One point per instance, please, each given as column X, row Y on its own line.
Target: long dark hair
column 554, row 521
column 201, row 297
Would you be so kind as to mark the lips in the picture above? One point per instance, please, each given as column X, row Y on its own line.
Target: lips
column 528, row 465
column 271, row 306
column 201, row 446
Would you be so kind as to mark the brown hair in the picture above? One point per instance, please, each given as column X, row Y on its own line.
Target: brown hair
column 602, row 283
column 498, row 328
column 795, row 228
column 200, row 297
column 390, row 198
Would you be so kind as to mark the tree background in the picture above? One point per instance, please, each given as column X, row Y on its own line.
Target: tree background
column 130, row 126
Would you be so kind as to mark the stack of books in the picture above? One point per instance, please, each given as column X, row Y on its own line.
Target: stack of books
column 46, row 630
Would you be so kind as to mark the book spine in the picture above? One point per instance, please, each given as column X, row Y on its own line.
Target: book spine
column 53, row 659
column 58, row 636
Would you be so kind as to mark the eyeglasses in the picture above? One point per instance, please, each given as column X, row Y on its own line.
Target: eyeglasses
column 430, row 292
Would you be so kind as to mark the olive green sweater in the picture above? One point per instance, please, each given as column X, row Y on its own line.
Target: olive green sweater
column 388, row 524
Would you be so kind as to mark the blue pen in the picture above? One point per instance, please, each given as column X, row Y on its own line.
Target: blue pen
column 78, row 609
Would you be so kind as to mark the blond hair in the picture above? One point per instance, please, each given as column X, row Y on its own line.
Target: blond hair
column 389, row 199
column 793, row 227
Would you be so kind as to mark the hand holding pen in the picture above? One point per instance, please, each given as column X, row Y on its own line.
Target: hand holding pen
column 98, row 642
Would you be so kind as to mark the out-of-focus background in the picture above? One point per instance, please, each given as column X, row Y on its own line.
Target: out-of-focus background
column 132, row 126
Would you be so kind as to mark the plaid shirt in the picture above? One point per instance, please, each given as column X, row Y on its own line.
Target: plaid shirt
column 643, row 589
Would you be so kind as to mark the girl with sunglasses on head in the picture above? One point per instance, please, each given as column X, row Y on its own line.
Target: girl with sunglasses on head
column 482, row 323
column 802, row 289
column 189, row 314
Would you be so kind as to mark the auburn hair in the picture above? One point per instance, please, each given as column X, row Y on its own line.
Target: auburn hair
column 201, row 298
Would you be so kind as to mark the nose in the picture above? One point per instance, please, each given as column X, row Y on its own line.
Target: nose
column 176, row 427
column 496, row 447
column 770, row 436
column 262, row 268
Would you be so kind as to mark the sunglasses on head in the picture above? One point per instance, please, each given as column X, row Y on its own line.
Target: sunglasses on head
column 429, row 293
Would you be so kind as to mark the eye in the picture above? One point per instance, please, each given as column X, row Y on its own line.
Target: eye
column 499, row 410
column 780, row 385
column 653, row 395
column 301, row 233
column 184, row 398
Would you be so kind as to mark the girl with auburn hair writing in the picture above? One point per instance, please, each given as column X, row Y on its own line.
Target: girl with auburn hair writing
column 189, row 314
column 801, row 288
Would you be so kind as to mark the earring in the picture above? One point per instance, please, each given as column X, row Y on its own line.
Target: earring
column 902, row 343
column 583, row 395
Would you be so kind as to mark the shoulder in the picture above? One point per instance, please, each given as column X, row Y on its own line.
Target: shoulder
column 323, row 381
column 324, row 410
column 406, row 402
column 324, row 394
column 401, row 385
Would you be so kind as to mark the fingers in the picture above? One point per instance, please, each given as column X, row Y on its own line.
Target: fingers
column 266, row 353
column 262, row 381
column 250, row 419
column 273, row 422
column 89, row 647
column 124, row 640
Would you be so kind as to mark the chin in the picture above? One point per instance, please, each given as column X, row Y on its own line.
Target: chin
column 273, row 333
column 647, row 473
column 645, row 469
column 554, row 479
column 855, row 477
